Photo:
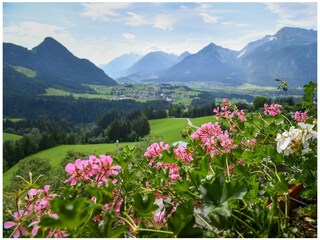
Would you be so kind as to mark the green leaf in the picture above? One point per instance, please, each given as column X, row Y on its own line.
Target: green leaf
column 72, row 212
column 241, row 170
column 281, row 186
column 102, row 194
column 217, row 195
column 110, row 229
column 144, row 205
column 182, row 221
column 47, row 221
column 167, row 156
column 202, row 171
column 180, row 185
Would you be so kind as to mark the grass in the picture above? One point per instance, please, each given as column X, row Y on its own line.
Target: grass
column 56, row 92
column 11, row 137
column 169, row 128
column 201, row 120
column 25, row 71
column 56, row 154
column 14, row 119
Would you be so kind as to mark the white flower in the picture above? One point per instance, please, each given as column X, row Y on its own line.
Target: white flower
column 290, row 141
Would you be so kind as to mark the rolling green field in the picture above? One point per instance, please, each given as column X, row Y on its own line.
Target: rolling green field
column 168, row 128
column 11, row 137
column 56, row 154
column 201, row 120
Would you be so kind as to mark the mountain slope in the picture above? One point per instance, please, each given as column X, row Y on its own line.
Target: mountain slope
column 153, row 63
column 212, row 63
column 116, row 68
column 290, row 55
column 54, row 66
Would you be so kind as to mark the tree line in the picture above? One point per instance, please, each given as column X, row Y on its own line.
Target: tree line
column 44, row 132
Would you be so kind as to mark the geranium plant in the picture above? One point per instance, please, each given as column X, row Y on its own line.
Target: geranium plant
column 225, row 182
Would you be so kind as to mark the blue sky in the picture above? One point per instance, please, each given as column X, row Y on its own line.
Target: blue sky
column 105, row 30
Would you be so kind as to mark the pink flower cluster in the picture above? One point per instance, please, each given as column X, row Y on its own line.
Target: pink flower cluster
column 37, row 205
column 95, row 169
column 155, row 150
column 273, row 109
column 214, row 139
column 181, row 153
column 300, row 116
column 224, row 112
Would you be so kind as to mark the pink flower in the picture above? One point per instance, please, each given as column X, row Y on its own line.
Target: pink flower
column 58, row 233
column 300, row 116
column 181, row 153
column 273, row 109
column 106, row 163
column 18, row 216
column 159, row 218
column 214, row 139
column 95, row 170
column 155, row 150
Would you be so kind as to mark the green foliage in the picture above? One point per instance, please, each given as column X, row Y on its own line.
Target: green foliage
column 144, row 205
column 217, row 195
column 258, row 102
column 182, row 222
column 232, row 179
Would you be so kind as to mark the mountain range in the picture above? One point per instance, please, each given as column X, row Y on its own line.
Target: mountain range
column 289, row 55
column 49, row 64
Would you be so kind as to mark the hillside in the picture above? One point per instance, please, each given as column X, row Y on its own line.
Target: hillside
column 49, row 64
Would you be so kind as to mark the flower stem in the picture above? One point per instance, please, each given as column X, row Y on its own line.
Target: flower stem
column 153, row 230
column 204, row 221
column 243, row 222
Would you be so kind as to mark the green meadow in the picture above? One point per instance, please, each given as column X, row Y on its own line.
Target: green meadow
column 168, row 128
column 11, row 137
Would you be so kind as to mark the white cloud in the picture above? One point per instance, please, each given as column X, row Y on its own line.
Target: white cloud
column 295, row 14
column 29, row 34
column 164, row 22
column 239, row 43
column 135, row 19
column 207, row 18
column 129, row 36
column 103, row 11
column 235, row 24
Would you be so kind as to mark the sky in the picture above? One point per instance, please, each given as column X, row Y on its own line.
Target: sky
column 105, row 30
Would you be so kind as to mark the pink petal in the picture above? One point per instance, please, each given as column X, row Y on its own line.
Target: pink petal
column 16, row 234
column 35, row 230
column 46, row 189
column 73, row 182
column 116, row 167
column 9, row 225
column 33, row 192
column 70, row 168
column 114, row 172
column 78, row 164
column 23, row 230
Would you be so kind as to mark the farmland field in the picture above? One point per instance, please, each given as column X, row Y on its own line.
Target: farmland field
column 169, row 128
column 11, row 137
